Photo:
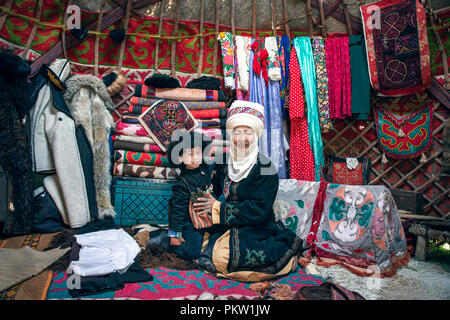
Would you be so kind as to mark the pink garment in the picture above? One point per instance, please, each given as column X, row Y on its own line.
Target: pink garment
column 301, row 156
column 128, row 129
column 337, row 53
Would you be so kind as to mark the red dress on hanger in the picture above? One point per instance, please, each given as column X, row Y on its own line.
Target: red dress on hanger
column 301, row 156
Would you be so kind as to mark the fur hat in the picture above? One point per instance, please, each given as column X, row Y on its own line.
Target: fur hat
column 245, row 113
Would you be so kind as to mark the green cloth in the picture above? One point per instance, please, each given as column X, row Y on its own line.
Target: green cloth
column 360, row 78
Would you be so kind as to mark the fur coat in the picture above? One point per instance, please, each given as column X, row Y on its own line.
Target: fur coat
column 15, row 152
column 90, row 105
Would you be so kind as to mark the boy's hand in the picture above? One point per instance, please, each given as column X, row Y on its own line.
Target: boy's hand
column 176, row 241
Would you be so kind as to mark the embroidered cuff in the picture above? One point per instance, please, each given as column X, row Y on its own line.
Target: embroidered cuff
column 174, row 234
column 216, row 212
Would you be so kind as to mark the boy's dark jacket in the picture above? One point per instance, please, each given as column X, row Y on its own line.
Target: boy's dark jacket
column 179, row 219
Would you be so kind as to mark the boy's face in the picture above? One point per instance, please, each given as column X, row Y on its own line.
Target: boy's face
column 192, row 158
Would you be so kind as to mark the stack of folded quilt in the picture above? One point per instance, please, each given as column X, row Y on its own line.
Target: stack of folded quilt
column 207, row 106
column 136, row 154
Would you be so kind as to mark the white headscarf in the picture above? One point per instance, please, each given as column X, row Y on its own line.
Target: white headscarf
column 249, row 114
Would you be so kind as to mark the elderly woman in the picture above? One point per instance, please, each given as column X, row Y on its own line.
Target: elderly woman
column 253, row 246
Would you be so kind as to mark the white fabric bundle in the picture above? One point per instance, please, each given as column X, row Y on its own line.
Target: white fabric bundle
column 104, row 252
column 243, row 45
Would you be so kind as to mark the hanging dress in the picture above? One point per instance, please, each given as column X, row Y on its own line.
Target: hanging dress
column 301, row 156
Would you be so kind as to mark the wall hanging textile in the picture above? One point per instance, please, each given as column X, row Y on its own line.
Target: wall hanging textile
column 229, row 71
column 243, row 48
column 258, row 93
column 359, row 227
column 131, row 129
column 138, row 51
column 191, row 105
column 339, row 76
column 320, row 63
column 141, row 158
column 277, row 152
column 397, row 47
column 273, row 58
column 179, row 93
column 139, row 171
column 164, row 118
column 301, row 156
column 404, row 125
column 284, row 51
column 267, row 93
column 134, row 146
column 304, row 52
column 260, row 55
column 350, row 171
column 360, row 78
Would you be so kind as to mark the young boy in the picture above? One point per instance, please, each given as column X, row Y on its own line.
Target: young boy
column 187, row 153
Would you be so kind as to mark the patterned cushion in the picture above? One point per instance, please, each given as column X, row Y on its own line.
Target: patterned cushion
column 164, row 118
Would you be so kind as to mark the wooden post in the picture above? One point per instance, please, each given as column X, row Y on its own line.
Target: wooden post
column 4, row 15
column 216, row 43
column 161, row 15
column 202, row 39
column 309, row 18
column 63, row 31
column 323, row 23
column 274, row 18
column 348, row 23
column 33, row 31
column 174, row 41
column 254, row 20
column 97, row 37
column 421, row 248
column 286, row 17
column 125, row 27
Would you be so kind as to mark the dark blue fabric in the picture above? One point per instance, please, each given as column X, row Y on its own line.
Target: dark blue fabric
column 47, row 218
column 284, row 43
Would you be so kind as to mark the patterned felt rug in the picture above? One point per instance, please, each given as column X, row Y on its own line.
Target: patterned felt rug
column 170, row 284
column 36, row 287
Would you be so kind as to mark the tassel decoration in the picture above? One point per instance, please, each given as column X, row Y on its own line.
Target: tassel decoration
column 423, row 158
column 384, row 159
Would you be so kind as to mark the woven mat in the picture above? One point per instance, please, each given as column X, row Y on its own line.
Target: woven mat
column 36, row 287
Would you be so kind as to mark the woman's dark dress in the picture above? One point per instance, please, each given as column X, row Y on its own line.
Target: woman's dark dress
column 257, row 242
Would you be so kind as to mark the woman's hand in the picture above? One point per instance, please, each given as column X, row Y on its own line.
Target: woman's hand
column 176, row 241
column 204, row 204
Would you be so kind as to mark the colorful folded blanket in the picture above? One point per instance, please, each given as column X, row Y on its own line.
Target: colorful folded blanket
column 212, row 123
column 213, row 133
column 135, row 146
column 141, row 158
column 129, row 129
column 130, row 118
column 210, row 114
column 179, row 93
column 144, row 103
column 151, row 172
column 136, row 139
